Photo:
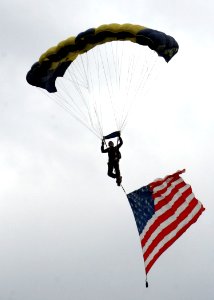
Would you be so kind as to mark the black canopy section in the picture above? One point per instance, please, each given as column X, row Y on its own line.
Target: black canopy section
column 112, row 135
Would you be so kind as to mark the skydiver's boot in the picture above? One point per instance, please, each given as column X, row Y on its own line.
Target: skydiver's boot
column 119, row 180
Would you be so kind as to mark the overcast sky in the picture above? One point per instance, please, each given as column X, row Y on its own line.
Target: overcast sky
column 66, row 229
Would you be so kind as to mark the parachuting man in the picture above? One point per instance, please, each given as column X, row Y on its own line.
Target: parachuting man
column 114, row 157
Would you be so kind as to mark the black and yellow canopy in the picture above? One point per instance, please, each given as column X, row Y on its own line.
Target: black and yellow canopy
column 55, row 61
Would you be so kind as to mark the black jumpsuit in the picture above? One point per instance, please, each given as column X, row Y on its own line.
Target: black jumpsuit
column 114, row 157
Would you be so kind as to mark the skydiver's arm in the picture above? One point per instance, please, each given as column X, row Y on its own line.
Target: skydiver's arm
column 120, row 142
column 103, row 150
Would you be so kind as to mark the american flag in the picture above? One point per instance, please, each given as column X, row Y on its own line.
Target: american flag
column 163, row 211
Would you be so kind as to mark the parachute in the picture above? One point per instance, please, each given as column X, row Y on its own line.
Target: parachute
column 98, row 74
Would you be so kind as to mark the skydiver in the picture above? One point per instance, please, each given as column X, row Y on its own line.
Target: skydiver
column 114, row 156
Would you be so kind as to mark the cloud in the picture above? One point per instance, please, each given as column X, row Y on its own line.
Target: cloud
column 66, row 228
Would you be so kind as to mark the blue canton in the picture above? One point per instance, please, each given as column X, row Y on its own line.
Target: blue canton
column 142, row 205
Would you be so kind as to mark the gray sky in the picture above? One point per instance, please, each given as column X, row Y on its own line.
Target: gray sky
column 66, row 229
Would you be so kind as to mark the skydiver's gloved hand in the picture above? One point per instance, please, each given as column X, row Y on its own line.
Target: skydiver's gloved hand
column 103, row 141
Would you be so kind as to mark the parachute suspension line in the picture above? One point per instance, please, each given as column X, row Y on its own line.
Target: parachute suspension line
column 82, row 65
column 71, row 103
column 94, row 99
column 129, row 83
column 58, row 101
column 112, row 74
column 119, row 67
column 119, row 63
column 127, row 78
column 98, row 99
column 146, row 71
column 125, row 74
column 124, row 71
column 115, row 62
column 151, row 63
column 129, row 62
column 108, row 70
column 89, row 103
column 85, row 64
column 73, row 106
column 77, row 87
column 131, row 86
column 129, row 75
column 146, row 74
column 88, row 84
column 104, row 72
column 107, row 81
column 77, row 70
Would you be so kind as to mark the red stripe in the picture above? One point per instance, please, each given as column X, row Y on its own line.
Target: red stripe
column 164, row 188
column 174, row 176
column 169, row 243
column 172, row 226
column 169, row 197
column 166, row 215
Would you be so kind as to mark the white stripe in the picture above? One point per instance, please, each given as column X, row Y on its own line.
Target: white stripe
column 167, row 222
column 169, row 190
column 172, row 234
column 164, row 184
column 163, row 209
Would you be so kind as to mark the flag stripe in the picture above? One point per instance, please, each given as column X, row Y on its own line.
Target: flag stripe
column 170, row 186
column 159, row 181
column 163, row 211
column 171, row 227
column 173, row 233
column 163, row 187
column 167, row 196
column 161, row 224
column 162, row 214
column 170, row 242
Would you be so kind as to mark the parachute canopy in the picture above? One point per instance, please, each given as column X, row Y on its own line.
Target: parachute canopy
column 54, row 62
column 97, row 75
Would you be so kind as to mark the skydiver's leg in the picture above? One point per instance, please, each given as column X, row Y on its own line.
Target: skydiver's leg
column 110, row 170
column 117, row 168
column 117, row 172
